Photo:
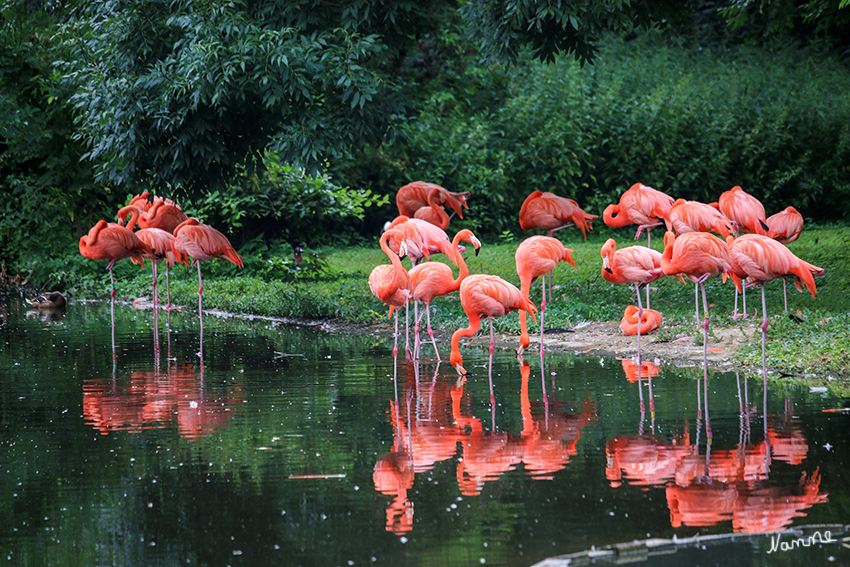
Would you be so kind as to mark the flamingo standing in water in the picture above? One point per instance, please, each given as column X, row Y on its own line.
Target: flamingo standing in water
column 636, row 265
column 389, row 283
column 764, row 259
column 698, row 256
column 552, row 213
column 785, row 227
column 488, row 296
column 641, row 205
column 113, row 242
column 537, row 256
column 434, row 212
column 414, row 196
column 202, row 242
column 161, row 242
column 434, row 279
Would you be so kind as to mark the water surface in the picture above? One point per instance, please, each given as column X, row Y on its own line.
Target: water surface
column 267, row 444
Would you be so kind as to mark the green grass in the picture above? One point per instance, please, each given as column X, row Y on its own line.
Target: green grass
column 339, row 290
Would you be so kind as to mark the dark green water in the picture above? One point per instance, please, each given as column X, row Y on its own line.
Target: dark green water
column 295, row 446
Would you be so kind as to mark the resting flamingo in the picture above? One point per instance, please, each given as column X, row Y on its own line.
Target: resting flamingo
column 414, row 196
column 698, row 256
column 552, row 213
column 434, row 279
column 650, row 319
column 488, row 296
column 641, row 205
column 202, row 242
column 422, row 239
column 434, row 212
column 744, row 211
column 636, row 265
column 161, row 242
column 113, row 242
column 693, row 216
column 764, row 259
column 785, row 227
column 537, row 256
column 389, row 283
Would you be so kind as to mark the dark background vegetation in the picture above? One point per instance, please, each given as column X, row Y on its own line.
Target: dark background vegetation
column 294, row 123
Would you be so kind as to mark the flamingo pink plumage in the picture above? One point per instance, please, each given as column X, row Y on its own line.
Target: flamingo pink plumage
column 113, row 242
column 537, row 256
column 764, row 259
column 434, row 279
column 693, row 216
column 650, row 319
column 434, row 212
column 552, row 213
column 203, row 242
column 698, row 256
column 414, row 196
column 641, row 205
column 389, row 282
column 422, row 238
column 743, row 210
column 785, row 227
column 487, row 296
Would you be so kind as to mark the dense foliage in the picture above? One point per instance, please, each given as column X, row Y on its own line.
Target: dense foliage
column 690, row 124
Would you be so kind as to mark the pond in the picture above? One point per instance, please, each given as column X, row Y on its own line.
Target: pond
column 261, row 443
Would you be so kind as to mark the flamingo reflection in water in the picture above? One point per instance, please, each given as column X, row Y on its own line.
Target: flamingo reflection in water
column 150, row 399
column 431, row 418
column 735, row 485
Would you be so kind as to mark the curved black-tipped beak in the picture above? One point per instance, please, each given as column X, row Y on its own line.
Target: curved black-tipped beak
column 609, row 270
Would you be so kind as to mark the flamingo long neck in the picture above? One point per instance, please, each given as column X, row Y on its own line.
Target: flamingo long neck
column 400, row 277
column 618, row 221
column 474, row 325
column 95, row 232
column 459, row 260
column 130, row 215
column 437, row 207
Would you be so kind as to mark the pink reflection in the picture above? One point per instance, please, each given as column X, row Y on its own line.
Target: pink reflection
column 152, row 400
column 433, row 418
column 647, row 370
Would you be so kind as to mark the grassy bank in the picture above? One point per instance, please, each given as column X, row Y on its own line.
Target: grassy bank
column 339, row 290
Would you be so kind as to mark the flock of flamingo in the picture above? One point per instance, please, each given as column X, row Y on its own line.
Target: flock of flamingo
column 754, row 252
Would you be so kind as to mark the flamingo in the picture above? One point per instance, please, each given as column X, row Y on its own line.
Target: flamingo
column 422, row 239
column 414, row 196
column 698, row 256
column 785, row 227
column 163, row 213
column 693, row 216
column 434, row 212
column 162, row 244
column 641, row 205
column 434, row 279
column 113, row 242
column 488, row 296
column 389, row 283
column 202, row 242
column 743, row 210
column 537, row 256
column 636, row 265
column 650, row 319
column 764, row 259
column 552, row 213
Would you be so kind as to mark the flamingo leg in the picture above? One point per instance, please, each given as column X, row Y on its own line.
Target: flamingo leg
column 431, row 332
column 155, row 294
column 407, row 350
column 395, row 336
column 200, row 297
column 705, row 362
column 744, row 301
column 167, row 286
column 416, row 318
column 696, row 301
column 764, row 324
column 640, row 322
column 492, row 338
column 785, row 295
column 543, row 307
